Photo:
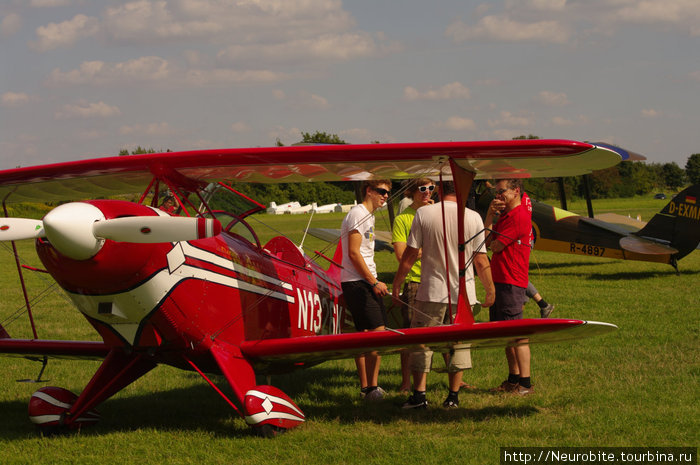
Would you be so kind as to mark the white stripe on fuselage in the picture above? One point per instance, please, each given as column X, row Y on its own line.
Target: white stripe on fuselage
column 230, row 265
column 129, row 309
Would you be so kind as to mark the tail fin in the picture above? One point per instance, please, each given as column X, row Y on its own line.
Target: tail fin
column 3, row 333
column 678, row 224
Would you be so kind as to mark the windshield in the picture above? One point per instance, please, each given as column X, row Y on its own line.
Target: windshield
column 221, row 197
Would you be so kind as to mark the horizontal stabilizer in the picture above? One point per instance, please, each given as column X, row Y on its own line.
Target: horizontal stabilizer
column 646, row 247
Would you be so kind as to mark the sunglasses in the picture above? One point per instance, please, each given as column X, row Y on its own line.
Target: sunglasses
column 381, row 191
column 499, row 191
column 426, row 188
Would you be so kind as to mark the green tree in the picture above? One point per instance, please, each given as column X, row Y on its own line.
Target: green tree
column 673, row 175
column 321, row 138
column 638, row 178
column 140, row 151
column 692, row 168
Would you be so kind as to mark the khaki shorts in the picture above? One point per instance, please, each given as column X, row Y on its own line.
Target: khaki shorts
column 434, row 314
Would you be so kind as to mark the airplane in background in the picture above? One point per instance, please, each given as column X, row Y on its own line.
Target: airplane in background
column 328, row 208
column 197, row 290
column 669, row 236
column 275, row 209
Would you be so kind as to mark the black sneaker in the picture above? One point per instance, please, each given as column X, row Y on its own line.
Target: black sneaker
column 414, row 402
column 451, row 402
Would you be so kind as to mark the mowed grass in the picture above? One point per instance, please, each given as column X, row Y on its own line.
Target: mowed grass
column 635, row 387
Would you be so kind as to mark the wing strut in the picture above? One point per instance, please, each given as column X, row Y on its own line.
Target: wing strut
column 21, row 281
column 463, row 183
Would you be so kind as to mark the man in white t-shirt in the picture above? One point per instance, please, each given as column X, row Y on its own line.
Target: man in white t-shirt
column 434, row 292
column 362, row 290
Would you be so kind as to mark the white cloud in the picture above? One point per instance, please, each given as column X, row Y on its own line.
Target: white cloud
column 55, row 35
column 650, row 113
column 241, row 127
column 356, row 135
column 548, row 5
column 85, row 110
column 15, row 99
column 10, row 24
column 652, row 11
column 562, row 122
column 458, row 123
column 144, row 20
column 302, row 99
column 507, row 119
column 452, row 91
column 49, row 3
column 552, row 99
column 206, row 77
column 323, row 48
column 503, row 29
column 101, row 73
column 152, row 129
column 286, row 135
column 242, row 21
column 315, row 101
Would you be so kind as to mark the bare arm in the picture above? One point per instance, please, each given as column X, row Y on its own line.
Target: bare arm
column 354, row 243
column 483, row 270
column 399, row 248
column 408, row 258
column 495, row 209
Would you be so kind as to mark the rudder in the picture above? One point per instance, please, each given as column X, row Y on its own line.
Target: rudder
column 678, row 224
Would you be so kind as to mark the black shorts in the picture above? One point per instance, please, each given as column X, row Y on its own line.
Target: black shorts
column 508, row 304
column 366, row 308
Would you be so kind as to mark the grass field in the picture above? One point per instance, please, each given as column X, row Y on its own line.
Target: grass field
column 635, row 387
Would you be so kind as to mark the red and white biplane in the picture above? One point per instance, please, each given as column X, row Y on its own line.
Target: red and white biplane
column 196, row 289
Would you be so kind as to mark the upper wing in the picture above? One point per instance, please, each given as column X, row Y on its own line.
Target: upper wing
column 315, row 349
column 129, row 174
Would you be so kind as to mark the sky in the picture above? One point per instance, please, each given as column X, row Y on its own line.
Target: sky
column 83, row 79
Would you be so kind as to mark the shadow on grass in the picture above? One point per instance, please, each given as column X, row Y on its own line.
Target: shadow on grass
column 627, row 275
column 323, row 395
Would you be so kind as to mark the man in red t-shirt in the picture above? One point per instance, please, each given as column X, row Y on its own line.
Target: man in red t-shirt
column 510, row 242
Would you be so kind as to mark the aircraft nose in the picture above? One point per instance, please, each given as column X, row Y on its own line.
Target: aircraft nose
column 69, row 229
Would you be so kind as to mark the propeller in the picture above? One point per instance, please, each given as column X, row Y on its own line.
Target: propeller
column 153, row 229
column 14, row 229
column 78, row 230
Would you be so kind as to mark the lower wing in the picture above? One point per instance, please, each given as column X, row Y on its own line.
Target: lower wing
column 37, row 349
column 316, row 349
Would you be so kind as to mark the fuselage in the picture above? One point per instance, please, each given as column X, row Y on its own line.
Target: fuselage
column 167, row 298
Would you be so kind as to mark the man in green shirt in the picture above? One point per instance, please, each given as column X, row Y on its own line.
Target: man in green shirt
column 420, row 191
